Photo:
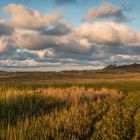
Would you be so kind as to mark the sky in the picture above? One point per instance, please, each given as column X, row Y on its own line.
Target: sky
column 59, row 35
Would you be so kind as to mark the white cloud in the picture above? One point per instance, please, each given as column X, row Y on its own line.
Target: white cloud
column 6, row 44
column 80, row 39
column 108, row 33
column 43, row 40
column 16, row 63
column 107, row 10
column 126, row 57
column 23, row 17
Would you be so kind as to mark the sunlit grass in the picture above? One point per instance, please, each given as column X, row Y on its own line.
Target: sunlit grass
column 70, row 113
column 121, row 85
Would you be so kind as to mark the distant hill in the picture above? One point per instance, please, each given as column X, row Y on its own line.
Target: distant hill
column 128, row 68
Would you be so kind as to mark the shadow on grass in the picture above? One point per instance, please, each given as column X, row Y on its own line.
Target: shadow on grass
column 19, row 108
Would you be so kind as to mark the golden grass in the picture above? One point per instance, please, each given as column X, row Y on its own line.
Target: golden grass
column 74, row 113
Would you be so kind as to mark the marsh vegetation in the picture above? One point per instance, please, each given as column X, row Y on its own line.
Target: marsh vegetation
column 70, row 113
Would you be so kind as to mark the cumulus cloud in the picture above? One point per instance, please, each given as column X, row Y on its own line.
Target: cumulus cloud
column 23, row 17
column 126, row 57
column 59, row 29
column 107, row 10
column 109, row 33
column 17, row 64
column 38, row 41
column 32, row 39
column 82, row 38
column 6, row 44
column 5, row 29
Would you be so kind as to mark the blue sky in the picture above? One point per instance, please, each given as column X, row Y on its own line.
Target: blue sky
column 90, row 34
column 76, row 11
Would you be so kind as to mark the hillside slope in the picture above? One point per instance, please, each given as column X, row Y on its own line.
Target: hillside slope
column 128, row 68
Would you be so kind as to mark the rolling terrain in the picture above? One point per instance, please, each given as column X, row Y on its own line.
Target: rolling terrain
column 125, row 77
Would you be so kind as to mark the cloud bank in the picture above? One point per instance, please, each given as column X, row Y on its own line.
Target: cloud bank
column 30, row 39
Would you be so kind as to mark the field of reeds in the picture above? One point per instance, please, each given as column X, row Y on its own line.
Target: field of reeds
column 70, row 113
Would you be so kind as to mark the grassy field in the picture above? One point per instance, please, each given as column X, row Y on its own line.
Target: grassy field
column 121, row 80
column 104, row 107
column 125, row 85
column 70, row 113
